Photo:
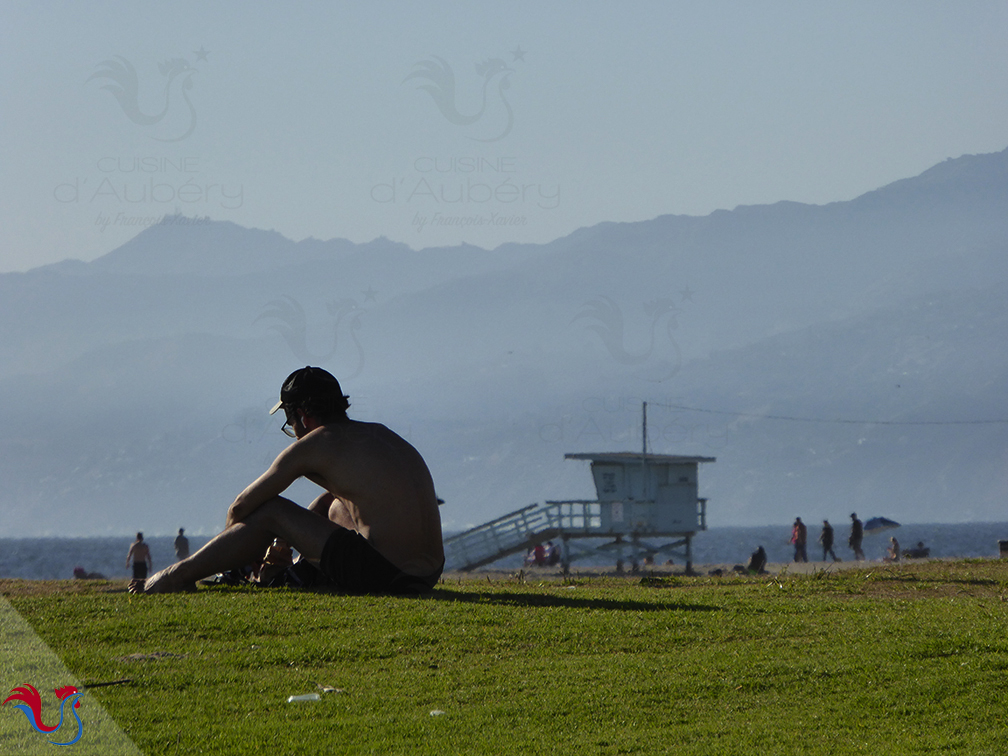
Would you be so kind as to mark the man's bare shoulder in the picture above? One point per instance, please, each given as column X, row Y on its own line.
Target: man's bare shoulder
column 354, row 433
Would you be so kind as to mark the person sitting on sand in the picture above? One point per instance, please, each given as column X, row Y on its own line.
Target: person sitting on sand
column 141, row 557
column 81, row 574
column 757, row 562
column 920, row 551
column 539, row 555
column 552, row 553
column 375, row 529
column 893, row 554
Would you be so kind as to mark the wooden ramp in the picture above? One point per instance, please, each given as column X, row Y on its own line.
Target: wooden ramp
column 518, row 531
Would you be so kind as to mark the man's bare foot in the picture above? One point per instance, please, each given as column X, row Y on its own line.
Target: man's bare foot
column 136, row 585
column 166, row 582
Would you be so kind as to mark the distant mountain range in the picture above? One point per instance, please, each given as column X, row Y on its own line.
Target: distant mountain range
column 833, row 358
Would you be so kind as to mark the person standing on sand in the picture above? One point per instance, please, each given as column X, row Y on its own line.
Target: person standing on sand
column 856, row 536
column 181, row 545
column 826, row 539
column 140, row 555
column 375, row 529
column 799, row 537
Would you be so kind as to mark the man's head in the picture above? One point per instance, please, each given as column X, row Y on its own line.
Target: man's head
column 315, row 392
column 139, row 536
column 181, row 531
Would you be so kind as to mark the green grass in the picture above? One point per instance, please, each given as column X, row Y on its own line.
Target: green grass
column 895, row 660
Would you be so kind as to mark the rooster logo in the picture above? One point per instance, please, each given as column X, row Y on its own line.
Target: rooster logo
column 496, row 75
column 31, row 705
column 291, row 323
column 124, row 84
column 662, row 358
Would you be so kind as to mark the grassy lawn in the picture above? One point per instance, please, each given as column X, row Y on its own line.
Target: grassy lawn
column 912, row 659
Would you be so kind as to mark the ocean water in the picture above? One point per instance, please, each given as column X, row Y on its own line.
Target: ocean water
column 55, row 558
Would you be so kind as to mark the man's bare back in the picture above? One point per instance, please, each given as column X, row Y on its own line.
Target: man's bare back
column 378, row 485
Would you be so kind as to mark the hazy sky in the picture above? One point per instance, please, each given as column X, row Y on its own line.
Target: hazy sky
column 339, row 120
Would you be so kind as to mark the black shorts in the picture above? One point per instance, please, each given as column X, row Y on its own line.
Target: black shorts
column 353, row 565
column 139, row 570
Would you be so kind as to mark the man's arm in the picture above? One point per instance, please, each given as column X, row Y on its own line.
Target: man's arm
column 290, row 465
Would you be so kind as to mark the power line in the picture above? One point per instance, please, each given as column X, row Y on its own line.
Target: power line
column 835, row 421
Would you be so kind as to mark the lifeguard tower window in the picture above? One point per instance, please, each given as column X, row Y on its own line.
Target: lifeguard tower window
column 647, row 493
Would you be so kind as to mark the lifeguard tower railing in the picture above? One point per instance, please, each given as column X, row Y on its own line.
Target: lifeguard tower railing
column 566, row 521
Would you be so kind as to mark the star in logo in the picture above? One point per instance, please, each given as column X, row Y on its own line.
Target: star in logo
column 201, row 54
column 518, row 54
column 687, row 294
column 370, row 294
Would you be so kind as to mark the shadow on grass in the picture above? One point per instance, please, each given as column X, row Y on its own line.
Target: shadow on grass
column 539, row 600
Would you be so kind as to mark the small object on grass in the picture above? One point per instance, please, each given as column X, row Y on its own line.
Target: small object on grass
column 436, row 713
column 304, row 697
column 330, row 689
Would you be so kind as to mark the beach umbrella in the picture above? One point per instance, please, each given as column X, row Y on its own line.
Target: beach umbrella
column 878, row 524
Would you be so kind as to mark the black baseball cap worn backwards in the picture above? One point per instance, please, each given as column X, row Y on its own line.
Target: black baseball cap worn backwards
column 310, row 383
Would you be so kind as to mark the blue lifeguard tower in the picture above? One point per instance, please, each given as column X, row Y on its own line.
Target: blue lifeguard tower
column 640, row 498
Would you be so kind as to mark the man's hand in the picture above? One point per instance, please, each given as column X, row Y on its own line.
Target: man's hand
column 235, row 513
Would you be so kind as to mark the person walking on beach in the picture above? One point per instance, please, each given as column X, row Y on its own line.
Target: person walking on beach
column 826, row 539
column 799, row 537
column 376, row 527
column 856, row 536
column 181, row 545
column 139, row 553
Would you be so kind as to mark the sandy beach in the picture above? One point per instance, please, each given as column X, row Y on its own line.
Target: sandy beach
column 550, row 574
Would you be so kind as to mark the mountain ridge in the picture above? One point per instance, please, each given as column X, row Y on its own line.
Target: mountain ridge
column 158, row 361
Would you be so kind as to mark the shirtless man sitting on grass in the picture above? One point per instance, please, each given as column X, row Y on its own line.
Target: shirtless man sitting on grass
column 376, row 529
